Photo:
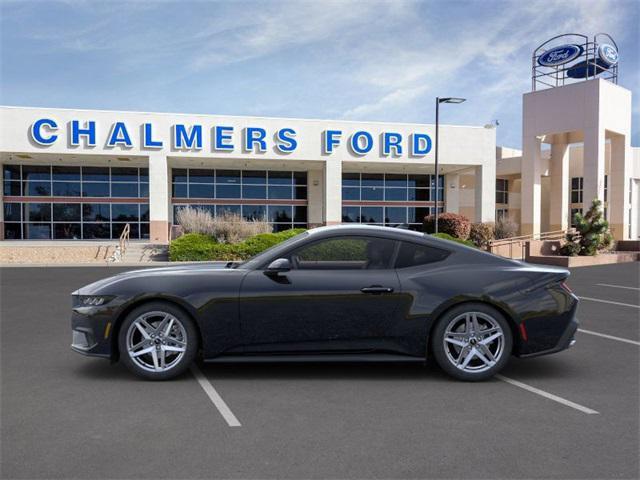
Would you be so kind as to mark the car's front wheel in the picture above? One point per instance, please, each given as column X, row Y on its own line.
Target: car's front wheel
column 472, row 342
column 157, row 341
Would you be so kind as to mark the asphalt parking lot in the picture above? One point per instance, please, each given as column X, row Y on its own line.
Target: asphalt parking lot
column 569, row 415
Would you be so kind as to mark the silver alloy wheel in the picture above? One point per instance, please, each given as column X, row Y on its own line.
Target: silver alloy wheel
column 156, row 341
column 474, row 342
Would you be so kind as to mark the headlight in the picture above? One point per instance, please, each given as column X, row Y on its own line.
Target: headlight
column 92, row 300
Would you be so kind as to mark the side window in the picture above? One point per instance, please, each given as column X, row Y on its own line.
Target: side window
column 412, row 254
column 344, row 253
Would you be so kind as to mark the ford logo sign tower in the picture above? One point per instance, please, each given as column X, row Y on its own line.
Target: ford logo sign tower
column 574, row 57
column 560, row 55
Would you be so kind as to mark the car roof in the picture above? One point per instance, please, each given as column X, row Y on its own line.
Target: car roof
column 468, row 253
column 371, row 229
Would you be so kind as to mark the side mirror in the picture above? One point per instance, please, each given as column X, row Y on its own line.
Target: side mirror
column 279, row 265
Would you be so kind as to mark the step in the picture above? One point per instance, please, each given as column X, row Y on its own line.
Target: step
column 143, row 253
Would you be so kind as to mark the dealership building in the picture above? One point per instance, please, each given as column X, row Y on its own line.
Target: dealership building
column 85, row 174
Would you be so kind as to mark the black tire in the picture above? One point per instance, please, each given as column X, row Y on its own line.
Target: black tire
column 445, row 354
column 182, row 324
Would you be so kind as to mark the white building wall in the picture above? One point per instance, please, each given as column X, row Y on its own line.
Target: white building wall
column 460, row 147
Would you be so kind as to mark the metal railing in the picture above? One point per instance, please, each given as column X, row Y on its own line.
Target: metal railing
column 123, row 243
column 514, row 247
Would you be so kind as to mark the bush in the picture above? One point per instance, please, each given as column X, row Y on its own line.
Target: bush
column 505, row 228
column 450, row 223
column 592, row 233
column 259, row 243
column 192, row 246
column 232, row 228
column 226, row 227
column 446, row 236
column 195, row 220
column 198, row 247
column 336, row 250
column 481, row 234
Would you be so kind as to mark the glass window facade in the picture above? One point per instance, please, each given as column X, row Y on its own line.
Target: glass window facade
column 280, row 196
column 577, row 184
column 502, row 190
column 397, row 198
column 77, row 202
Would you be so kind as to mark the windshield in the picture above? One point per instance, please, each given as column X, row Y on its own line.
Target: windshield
column 257, row 260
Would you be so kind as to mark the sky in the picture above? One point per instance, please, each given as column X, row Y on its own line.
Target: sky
column 345, row 60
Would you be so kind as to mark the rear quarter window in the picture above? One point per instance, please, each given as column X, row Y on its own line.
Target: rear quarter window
column 413, row 254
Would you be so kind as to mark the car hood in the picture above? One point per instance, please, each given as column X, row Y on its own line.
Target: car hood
column 174, row 271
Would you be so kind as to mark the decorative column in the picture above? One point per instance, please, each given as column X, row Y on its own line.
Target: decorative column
column 315, row 198
column 559, row 168
column 159, row 199
column 531, row 178
column 619, row 186
column 332, row 192
column 593, row 166
column 485, row 192
column 452, row 192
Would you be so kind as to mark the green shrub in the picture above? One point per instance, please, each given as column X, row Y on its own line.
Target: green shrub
column 199, row 247
column 592, row 233
column 336, row 250
column 451, row 223
column 191, row 246
column 259, row 243
column 481, row 234
column 446, row 236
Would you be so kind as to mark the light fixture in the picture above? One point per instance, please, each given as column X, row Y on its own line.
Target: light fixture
column 440, row 100
column 451, row 100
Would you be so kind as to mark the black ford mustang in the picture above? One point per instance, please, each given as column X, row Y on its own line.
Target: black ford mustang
column 333, row 293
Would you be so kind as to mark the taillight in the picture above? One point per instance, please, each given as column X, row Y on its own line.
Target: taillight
column 523, row 332
column 565, row 287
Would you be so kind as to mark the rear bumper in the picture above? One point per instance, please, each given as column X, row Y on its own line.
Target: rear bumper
column 567, row 340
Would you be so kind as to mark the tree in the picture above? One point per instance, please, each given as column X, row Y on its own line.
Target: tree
column 591, row 235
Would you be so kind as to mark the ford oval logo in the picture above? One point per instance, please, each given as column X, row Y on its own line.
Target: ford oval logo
column 608, row 54
column 560, row 55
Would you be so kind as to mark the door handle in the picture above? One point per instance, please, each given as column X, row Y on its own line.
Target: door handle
column 376, row 289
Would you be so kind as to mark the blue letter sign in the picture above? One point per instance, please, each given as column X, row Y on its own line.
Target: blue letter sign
column 37, row 134
column 147, row 138
column 222, row 137
column 421, row 144
column 359, row 148
column 286, row 140
column 119, row 136
column 190, row 140
column 89, row 131
column 255, row 136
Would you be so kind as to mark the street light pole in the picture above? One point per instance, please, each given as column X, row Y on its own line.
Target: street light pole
column 438, row 102
column 436, row 153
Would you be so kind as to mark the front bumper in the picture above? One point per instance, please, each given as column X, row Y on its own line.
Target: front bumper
column 91, row 330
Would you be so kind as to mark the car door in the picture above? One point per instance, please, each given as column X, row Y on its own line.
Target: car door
column 340, row 295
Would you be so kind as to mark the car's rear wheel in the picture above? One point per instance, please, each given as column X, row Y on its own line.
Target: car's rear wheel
column 158, row 341
column 472, row 342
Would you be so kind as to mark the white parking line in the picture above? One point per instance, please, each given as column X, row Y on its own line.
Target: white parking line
column 610, row 337
column 616, row 286
column 215, row 397
column 609, row 301
column 548, row 395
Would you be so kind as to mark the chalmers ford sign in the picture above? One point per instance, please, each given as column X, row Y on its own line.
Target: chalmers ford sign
column 220, row 138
